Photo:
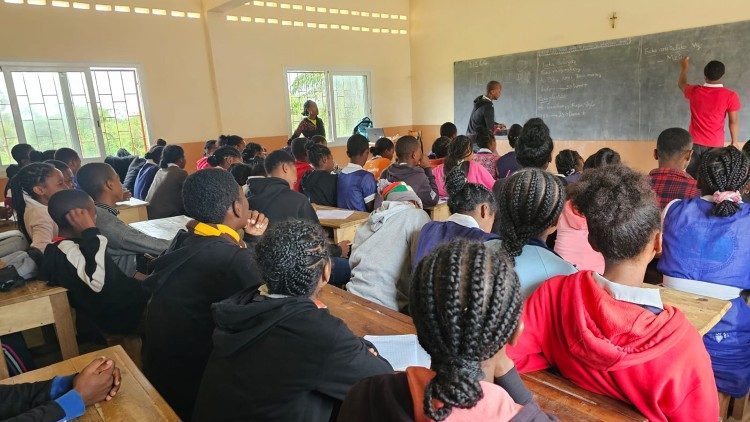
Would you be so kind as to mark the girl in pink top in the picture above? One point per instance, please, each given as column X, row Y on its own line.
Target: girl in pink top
column 208, row 150
column 572, row 242
column 461, row 154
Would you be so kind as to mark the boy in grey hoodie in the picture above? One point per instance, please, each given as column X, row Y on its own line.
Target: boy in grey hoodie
column 412, row 167
column 382, row 274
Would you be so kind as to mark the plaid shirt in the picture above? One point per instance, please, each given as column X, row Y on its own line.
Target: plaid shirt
column 670, row 184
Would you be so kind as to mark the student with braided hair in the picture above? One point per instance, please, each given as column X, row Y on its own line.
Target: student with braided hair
column 569, row 164
column 530, row 205
column 466, row 304
column 320, row 185
column 461, row 155
column 706, row 252
column 606, row 333
column 224, row 157
column 473, row 208
column 281, row 355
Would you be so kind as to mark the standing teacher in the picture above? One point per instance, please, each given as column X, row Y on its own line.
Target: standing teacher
column 311, row 125
column 483, row 114
column 709, row 104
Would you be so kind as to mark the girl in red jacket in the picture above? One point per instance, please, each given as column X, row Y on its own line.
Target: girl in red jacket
column 605, row 332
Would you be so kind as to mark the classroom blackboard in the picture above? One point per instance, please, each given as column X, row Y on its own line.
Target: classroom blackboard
column 623, row 89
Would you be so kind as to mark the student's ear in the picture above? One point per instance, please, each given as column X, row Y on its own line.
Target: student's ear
column 237, row 208
column 516, row 334
column 656, row 154
column 484, row 210
column 658, row 243
column 325, row 276
column 688, row 155
column 38, row 190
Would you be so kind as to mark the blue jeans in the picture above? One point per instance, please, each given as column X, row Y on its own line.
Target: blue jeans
column 341, row 272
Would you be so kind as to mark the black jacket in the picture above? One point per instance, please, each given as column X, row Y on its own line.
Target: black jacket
column 483, row 115
column 117, row 306
column 320, row 187
column 193, row 273
column 280, row 360
column 277, row 201
column 29, row 403
column 132, row 173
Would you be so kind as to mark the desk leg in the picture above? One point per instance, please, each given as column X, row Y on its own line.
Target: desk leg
column 3, row 365
column 66, row 333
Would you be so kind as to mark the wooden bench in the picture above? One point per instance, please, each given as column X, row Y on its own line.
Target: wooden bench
column 343, row 229
column 137, row 399
column 34, row 305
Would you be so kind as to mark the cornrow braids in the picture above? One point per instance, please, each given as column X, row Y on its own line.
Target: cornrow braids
column 720, row 170
column 458, row 150
column 316, row 153
column 291, row 257
column 531, row 201
column 466, row 303
column 31, row 175
column 567, row 161
column 465, row 197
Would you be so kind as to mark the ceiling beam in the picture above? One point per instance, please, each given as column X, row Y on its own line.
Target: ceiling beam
column 222, row 5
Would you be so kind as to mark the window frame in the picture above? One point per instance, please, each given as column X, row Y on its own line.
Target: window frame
column 8, row 67
column 334, row 139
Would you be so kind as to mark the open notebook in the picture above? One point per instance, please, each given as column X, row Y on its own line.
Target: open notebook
column 401, row 351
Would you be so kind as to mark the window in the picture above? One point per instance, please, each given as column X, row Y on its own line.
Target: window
column 94, row 111
column 342, row 97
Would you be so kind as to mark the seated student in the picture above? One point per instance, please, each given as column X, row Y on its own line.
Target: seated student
column 97, row 288
column 606, row 333
column 382, row 157
column 569, row 164
column 66, row 172
column 572, row 241
column 130, row 175
column 383, row 247
column 462, row 293
column 439, row 151
column 161, row 142
column 241, row 172
column 356, row 186
column 473, row 209
column 125, row 245
column 147, row 172
column 320, row 185
column 235, row 141
column 486, row 156
column 282, row 356
column 49, row 154
column 301, row 163
column 448, row 130
column 20, row 153
column 319, row 139
column 461, row 155
column 32, row 188
column 273, row 195
column 208, row 150
column 70, row 157
column 62, row 397
column 670, row 181
column 706, row 253
column 412, row 168
column 251, row 151
column 205, row 264
column 530, row 204
column 224, row 157
column 508, row 163
column 165, row 193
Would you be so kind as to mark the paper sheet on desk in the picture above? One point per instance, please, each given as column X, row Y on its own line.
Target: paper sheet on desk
column 333, row 214
column 133, row 202
column 401, row 351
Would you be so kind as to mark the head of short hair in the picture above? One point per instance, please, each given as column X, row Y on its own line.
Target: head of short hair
column 714, row 70
column 171, row 154
column 251, row 150
column 316, row 153
column 619, row 232
column 298, row 149
column 49, row 154
column 721, row 170
column 448, row 129
column 466, row 302
column 211, row 143
column 493, row 85
column 567, row 161
column 20, row 152
column 356, row 145
column 319, row 139
column 36, row 156
column 277, row 158
column 58, row 165
column 292, row 256
column 531, row 201
column 208, row 194
column 240, row 172
column 381, row 146
column 534, row 146
column 257, row 166
column 483, row 138
column 154, row 154
column 230, row 140
column 514, row 132
column 458, row 150
column 64, row 201
column 67, row 155
column 603, row 157
column 406, row 146
column 93, row 176
column 440, row 146
column 673, row 141
column 221, row 153
column 464, row 196
column 161, row 142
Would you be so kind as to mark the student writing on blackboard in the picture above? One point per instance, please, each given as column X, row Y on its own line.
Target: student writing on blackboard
column 709, row 104
column 483, row 114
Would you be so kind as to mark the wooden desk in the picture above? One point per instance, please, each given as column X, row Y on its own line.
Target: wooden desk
column 32, row 306
column 555, row 395
column 440, row 212
column 702, row 312
column 132, row 211
column 137, row 399
column 343, row 229
column 162, row 228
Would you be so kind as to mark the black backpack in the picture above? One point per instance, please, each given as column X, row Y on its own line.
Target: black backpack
column 362, row 127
